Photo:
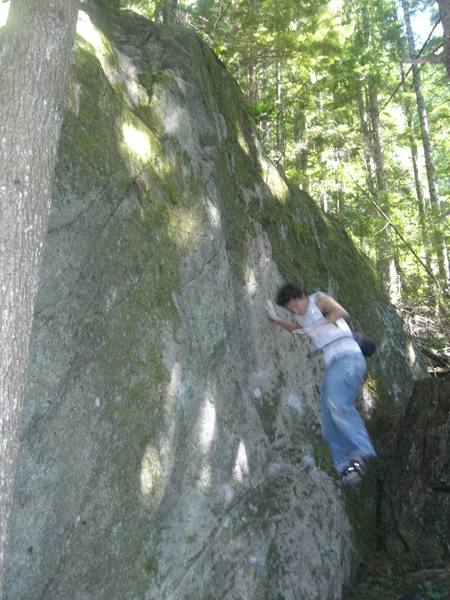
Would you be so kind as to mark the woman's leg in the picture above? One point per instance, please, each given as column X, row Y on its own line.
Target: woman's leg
column 342, row 425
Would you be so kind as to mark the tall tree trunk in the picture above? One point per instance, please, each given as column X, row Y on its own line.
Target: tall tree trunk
column 444, row 13
column 367, row 143
column 387, row 258
column 340, row 198
column 203, row 7
column 439, row 246
column 387, row 253
column 166, row 11
column 421, row 206
column 378, row 151
column 301, row 153
column 279, row 109
column 253, row 91
column 36, row 46
column 324, row 200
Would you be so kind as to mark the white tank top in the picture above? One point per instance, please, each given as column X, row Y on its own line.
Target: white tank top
column 322, row 336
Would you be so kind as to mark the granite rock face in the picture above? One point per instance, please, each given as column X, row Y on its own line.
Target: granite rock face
column 170, row 444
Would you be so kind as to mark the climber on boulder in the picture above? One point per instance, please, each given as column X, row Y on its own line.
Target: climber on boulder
column 323, row 319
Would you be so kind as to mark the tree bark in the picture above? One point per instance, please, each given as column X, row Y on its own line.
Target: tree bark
column 324, row 201
column 279, row 124
column 388, row 260
column 253, row 91
column 35, row 50
column 367, row 142
column 301, row 152
column 169, row 12
column 444, row 13
column 439, row 246
column 421, row 206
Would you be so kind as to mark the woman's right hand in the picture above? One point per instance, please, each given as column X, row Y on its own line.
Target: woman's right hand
column 270, row 309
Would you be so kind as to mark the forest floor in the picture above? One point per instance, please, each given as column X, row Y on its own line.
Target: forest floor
column 390, row 578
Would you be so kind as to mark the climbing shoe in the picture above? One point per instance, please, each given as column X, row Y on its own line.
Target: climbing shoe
column 353, row 475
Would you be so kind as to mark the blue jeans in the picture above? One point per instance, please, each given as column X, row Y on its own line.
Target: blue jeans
column 342, row 425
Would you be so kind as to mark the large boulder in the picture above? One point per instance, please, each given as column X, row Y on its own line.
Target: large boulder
column 170, row 443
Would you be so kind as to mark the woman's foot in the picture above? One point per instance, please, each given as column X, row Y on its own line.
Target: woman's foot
column 353, row 474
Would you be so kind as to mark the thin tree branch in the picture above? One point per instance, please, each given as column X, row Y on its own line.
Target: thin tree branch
column 442, row 217
column 222, row 12
column 381, row 230
column 430, row 58
column 389, row 222
column 410, row 68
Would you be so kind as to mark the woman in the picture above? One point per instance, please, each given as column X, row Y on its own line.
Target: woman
column 323, row 319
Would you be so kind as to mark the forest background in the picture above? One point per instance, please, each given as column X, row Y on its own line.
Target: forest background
column 345, row 105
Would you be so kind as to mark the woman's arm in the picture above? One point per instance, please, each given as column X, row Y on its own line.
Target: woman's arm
column 287, row 325
column 331, row 310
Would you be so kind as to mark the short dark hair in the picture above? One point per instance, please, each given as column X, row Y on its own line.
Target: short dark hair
column 289, row 292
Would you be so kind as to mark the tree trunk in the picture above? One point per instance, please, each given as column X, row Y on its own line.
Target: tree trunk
column 203, row 8
column 421, row 206
column 439, row 246
column 367, row 143
column 444, row 13
column 279, row 110
column 388, row 260
column 253, row 92
column 324, row 201
column 301, row 152
column 170, row 12
column 419, row 194
column 36, row 46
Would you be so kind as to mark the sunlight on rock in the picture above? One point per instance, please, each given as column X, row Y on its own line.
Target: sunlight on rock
column 173, row 121
column 4, row 10
column 251, row 283
column 183, row 229
column 204, row 482
column 213, row 213
column 175, row 380
column 257, row 560
column 411, row 354
column 101, row 46
column 368, row 401
column 241, row 141
column 137, row 141
column 207, row 424
column 227, row 493
column 73, row 98
column 117, row 67
column 151, row 472
column 88, row 32
column 294, row 402
column 241, row 469
column 273, row 180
